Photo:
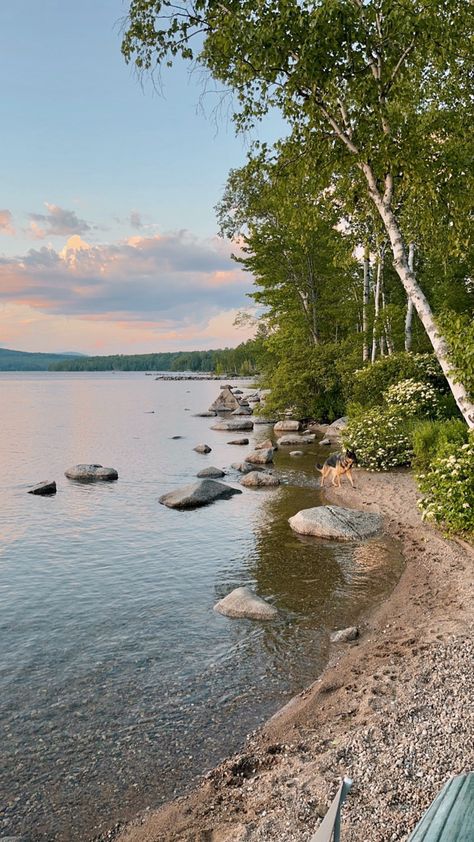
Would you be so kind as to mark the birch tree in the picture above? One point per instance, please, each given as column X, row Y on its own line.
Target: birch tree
column 380, row 84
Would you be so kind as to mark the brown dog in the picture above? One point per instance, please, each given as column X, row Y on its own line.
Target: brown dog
column 336, row 465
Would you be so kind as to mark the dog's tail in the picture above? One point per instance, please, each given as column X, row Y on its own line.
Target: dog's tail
column 319, row 467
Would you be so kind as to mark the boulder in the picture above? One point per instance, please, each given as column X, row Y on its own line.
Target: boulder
column 335, row 522
column 211, row 472
column 289, row 425
column 198, row 494
column 44, row 488
column 296, row 453
column 295, row 438
column 234, row 424
column 238, row 441
column 244, row 603
column 259, row 419
column 209, row 414
column 345, row 635
column 242, row 410
column 257, row 479
column 265, row 445
column 202, row 448
column 334, row 430
column 226, row 402
column 89, row 473
column 245, row 467
column 260, row 457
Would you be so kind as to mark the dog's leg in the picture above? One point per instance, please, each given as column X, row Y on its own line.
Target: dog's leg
column 349, row 474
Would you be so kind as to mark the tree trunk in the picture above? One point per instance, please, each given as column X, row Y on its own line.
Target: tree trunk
column 377, row 302
column 416, row 295
column 365, row 305
column 409, row 313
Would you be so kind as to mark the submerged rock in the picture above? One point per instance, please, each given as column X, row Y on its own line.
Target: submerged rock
column 257, row 479
column 198, row 494
column 335, row 522
column 244, row 603
column 209, row 414
column 88, row 473
column 238, row 441
column 296, row 453
column 345, row 635
column 211, row 472
column 295, row 438
column 245, row 467
column 44, row 488
column 202, row 448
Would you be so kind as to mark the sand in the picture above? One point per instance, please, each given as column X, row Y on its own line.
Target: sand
column 393, row 710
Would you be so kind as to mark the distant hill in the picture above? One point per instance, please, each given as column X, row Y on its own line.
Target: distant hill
column 26, row 361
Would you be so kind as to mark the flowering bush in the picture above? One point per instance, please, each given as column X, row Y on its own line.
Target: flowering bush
column 415, row 398
column 448, row 488
column 380, row 438
column 369, row 384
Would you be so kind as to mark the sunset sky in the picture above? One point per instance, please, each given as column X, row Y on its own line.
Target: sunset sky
column 108, row 239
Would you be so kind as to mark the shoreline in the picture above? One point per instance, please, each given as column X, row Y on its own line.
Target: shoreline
column 392, row 710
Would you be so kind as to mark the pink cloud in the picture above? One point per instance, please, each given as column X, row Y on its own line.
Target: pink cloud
column 6, row 223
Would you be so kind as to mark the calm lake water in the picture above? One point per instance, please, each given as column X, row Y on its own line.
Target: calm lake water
column 118, row 682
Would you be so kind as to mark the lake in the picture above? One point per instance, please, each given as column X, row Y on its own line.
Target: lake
column 119, row 684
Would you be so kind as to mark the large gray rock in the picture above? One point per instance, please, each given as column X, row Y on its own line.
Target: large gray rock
column 345, row 635
column 260, row 457
column 238, row 441
column 295, row 438
column 289, row 425
column 242, row 410
column 198, row 494
column 335, row 522
column 245, row 467
column 226, row 402
column 211, row 473
column 89, row 473
column 257, row 479
column 234, row 424
column 244, row 603
column 44, row 488
column 335, row 429
column 202, row 448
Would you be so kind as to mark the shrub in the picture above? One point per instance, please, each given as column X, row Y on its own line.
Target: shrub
column 448, row 488
column 415, row 398
column 380, row 438
column 431, row 438
column 369, row 384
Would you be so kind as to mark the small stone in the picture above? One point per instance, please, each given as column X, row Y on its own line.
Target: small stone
column 211, row 472
column 242, row 603
column 44, row 488
column 238, row 441
column 260, row 457
column 345, row 635
column 198, row 494
column 257, row 479
column 202, row 448
column 90, row 473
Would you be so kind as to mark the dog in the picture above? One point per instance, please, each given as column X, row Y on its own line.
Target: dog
column 336, row 465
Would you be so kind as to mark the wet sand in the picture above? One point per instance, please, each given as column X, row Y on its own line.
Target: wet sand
column 394, row 710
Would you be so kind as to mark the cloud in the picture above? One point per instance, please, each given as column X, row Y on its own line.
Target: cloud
column 58, row 222
column 136, row 220
column 175, row 281
column 6, row 223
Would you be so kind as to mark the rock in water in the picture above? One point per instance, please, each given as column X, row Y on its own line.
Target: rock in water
column 88, row 473
column 265, row 445
column 345, row 635
column 202, row 448
column 260, row 457
column 259, row 419
column 296, row 453
column 226, row 402
column 244, row 603
column 245, row 467
column 234, row 424
column 209, row 414
column 257, row 479
column 335, row 522
column 238, row 441
column 289, row 425
column 295, row 438
column 198, row 494
column 242, row 410
column 44, row 488
column 211, row 473
column 336, row 427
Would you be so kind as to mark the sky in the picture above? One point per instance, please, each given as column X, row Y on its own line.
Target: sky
column 108, row 236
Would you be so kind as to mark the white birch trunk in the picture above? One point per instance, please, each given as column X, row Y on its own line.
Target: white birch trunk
column 365, row 306
column 409, row 313
column 377, row 303
column 417, row 296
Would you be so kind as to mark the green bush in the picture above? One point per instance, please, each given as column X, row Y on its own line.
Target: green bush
column 431, row 438
column 448, row 488
column 369, row 384
column 380, row 438
column 414, row 398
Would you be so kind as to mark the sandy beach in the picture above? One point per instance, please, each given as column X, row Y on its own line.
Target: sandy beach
column 393, row 710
